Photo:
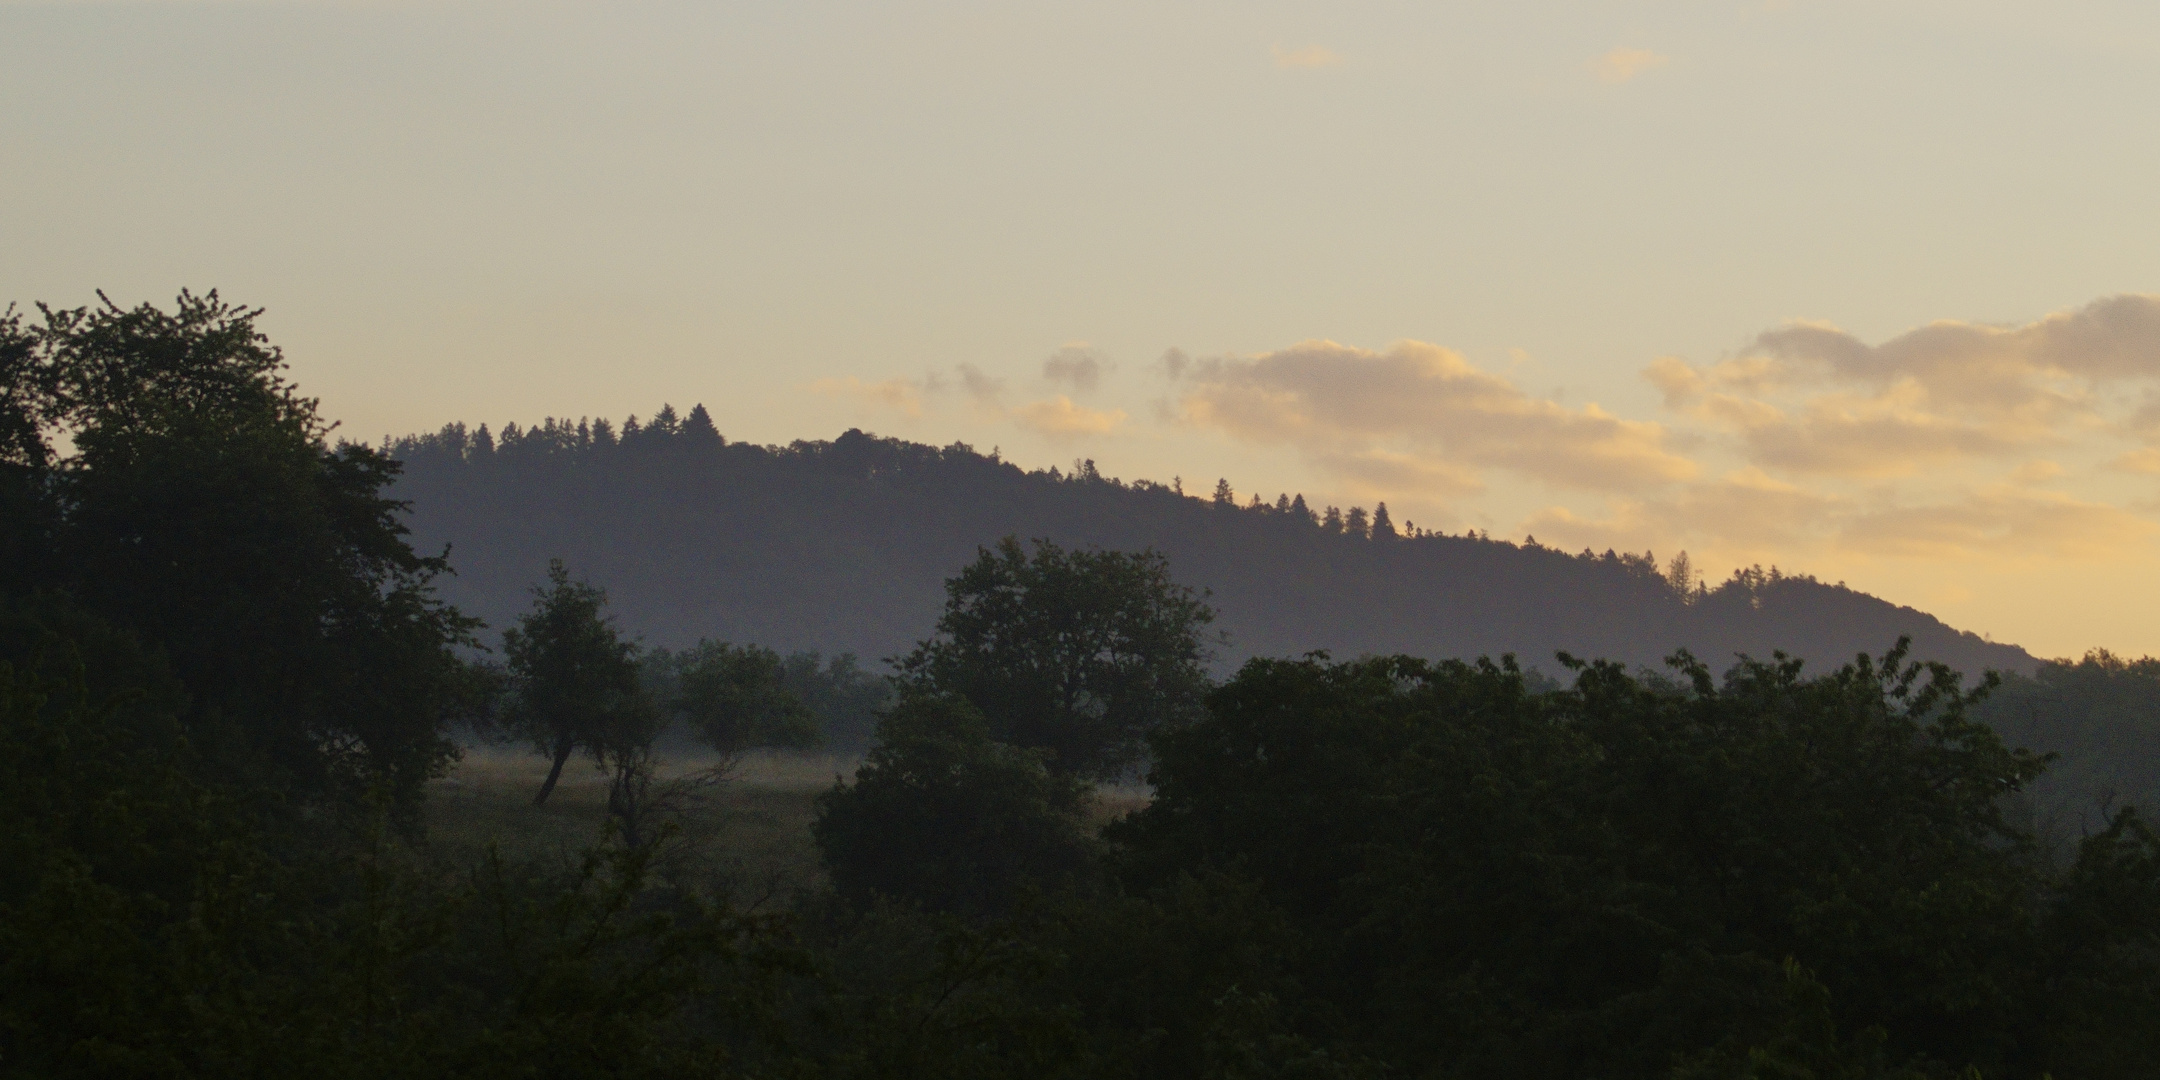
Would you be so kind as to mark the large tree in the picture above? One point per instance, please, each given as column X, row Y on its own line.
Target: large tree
column 1079, row 653
column 573, row 679
column 200, row 505
column 735, row 698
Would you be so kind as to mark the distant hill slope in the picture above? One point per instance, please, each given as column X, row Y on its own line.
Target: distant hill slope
column 845, row 545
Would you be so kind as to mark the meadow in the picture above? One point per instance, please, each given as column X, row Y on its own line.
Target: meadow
column 752, row 831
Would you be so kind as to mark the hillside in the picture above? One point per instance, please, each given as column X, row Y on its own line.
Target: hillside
column 845, row 545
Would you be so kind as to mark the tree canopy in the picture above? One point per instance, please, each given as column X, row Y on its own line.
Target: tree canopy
column 942, row 814
column 574, row 682
column 1593, row 880
column 1081, row 654
column 734, row 698
column 199, row 505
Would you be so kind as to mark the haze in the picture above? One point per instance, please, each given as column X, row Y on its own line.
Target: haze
column 1864, row 290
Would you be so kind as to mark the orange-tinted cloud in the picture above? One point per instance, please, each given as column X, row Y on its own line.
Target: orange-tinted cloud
column 1623, row 64
column 1341, row 404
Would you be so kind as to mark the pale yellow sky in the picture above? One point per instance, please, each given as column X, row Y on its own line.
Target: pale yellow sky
column 1861, row 289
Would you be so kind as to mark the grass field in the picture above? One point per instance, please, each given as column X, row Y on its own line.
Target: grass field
column 753, row 830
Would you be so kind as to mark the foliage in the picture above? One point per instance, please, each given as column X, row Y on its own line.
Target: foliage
column 943, row 815
column 2100, row 716
column 1081, row 654
column 146, row 930
column 1591, row 881
column 574, row 680
column 734, row 698
column 845, row 699
column 186, row 448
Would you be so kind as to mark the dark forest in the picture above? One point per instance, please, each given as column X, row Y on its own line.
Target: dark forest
column 843, row 545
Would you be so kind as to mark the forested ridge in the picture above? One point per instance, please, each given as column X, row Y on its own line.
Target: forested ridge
column 843, row 545
column 245, row 746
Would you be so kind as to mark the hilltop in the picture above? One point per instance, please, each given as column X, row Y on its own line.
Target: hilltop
column 844, row 545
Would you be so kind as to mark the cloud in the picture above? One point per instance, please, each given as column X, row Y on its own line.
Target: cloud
column 2017, row 523
column 1058, row 417
column 1748, row 512
column 1311, row 56
column 1743, row 511
column 2038, row 471
column 1076, row 366
column 2145, row 461
column 2034, row 368
column 1343, row 405
column 900, row 394
column 982, row 389
column 1380, row 473
column 1809, row 397
column 1621, row 65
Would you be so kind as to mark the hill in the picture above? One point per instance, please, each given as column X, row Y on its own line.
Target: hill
column 845, row 545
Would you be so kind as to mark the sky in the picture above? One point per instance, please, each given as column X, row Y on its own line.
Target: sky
column 1869, row 291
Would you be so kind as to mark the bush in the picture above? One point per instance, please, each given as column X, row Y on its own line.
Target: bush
column 943, row 815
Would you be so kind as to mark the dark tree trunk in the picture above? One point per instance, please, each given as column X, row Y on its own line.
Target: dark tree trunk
column 562, row 755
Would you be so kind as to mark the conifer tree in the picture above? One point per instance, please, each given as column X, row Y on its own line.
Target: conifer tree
column 1223, row 495
column 1681, row 573
column 698, row 429
column 1383, row 528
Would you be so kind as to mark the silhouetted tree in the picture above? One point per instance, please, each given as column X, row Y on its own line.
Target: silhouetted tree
column 1681, row 573
column 845, row 698
column 1383, row 527
column 201, row 508
column 1081, row 653
column 735, row 698
column 698, row 429
column 944, row 815
column 574, row 680
column 1509, row 877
